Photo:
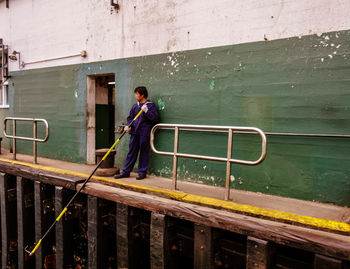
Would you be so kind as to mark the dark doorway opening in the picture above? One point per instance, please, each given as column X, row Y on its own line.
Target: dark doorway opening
column 105, row 107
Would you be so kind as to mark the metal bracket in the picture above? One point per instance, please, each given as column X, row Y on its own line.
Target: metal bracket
column 120, row 129
column 26, row 249
column 115, row 5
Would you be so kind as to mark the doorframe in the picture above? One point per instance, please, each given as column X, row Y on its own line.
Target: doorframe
column 90, row 119
column 91, row 115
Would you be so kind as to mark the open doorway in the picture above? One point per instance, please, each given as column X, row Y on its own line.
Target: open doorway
column 100, row 114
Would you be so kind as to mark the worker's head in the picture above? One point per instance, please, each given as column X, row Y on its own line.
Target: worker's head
column 141, row 93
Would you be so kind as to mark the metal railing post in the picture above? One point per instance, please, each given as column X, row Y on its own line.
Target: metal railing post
column 34, row 141
column 14, row 138
column 208, row 128
column 228, row 164
column 176, row 144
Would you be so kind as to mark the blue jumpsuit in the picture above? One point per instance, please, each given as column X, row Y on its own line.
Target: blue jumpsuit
column 140, row 137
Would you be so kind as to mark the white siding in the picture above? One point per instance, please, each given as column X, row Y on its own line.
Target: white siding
column 43, row 29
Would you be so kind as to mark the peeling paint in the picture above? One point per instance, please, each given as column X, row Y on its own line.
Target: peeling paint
column 265, row 88
column 76, row 93
column 164, row 171
column 212, row 85
column 160, row 104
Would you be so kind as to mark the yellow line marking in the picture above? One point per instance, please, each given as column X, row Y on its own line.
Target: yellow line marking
column 197, row 199
column 270, row 213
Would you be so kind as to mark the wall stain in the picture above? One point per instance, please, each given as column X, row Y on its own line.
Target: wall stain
column 160, row 104
column 212, row 85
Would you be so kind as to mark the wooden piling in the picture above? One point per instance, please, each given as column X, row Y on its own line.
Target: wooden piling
column 62, row 245
column 203, row 247
column 25, row 221
column 4, row 219
column 38, row 212
column 324, row 262
column 157, row 240
column 122, row 226
column 20, row 221
column 258, row 253
column 94, row 233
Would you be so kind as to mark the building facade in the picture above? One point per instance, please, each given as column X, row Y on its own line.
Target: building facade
column 281, row 66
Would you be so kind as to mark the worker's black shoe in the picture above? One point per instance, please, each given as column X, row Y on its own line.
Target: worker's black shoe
column 139, row 177
column 120, row 176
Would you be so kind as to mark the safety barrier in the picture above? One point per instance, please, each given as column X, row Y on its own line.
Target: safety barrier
column 34, row 138
column 209, row 128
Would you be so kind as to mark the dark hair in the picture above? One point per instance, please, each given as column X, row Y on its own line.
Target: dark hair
column 142, row 90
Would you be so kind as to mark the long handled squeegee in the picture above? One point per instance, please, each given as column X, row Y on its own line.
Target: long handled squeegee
column 36, row 245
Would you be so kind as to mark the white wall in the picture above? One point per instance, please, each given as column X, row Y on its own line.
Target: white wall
column 43, row 29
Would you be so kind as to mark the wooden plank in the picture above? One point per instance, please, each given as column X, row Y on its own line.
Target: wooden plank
column 20, row 221
column 60, row 261
column 328, row 218
column 4, row 219
column 258, row 253
column 328, row 244
column 334, row 224
column 122, row 226
column 62, row 246
column 157, row 240
column 324, row 262
column 52, row 178
column 94, row 233
column 39, row 225
column 203, row 247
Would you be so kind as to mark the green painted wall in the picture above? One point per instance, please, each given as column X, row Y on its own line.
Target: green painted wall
column 4, row 112
column 289, row 85
column 51, row 94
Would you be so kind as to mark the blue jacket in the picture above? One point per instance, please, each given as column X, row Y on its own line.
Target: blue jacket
column 144, row 123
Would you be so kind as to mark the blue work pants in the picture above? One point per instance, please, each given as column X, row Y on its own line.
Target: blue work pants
column 138, row 143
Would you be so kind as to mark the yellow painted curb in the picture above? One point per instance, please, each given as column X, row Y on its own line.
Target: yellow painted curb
column 197, row 199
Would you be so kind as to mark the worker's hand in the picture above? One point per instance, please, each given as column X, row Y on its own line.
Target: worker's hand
column 144, row 108
column 127, row 129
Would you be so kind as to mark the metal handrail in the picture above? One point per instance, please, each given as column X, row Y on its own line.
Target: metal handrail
column 34, row 138
column 209, row 128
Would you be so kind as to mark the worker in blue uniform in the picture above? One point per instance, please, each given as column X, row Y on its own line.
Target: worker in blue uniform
column 139, row 134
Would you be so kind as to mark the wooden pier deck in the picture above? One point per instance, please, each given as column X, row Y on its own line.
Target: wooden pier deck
column 191, row 226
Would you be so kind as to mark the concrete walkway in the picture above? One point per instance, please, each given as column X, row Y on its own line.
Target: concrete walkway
column 294, row 206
